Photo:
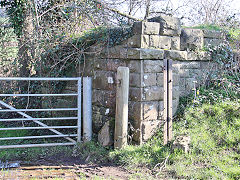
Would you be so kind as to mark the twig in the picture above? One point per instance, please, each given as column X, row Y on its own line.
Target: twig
column 162, row 164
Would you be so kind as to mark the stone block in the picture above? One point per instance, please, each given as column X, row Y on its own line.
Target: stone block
column 104, row 98
column 160, row 79
column 170, row 32
column 112, row 53
column 100, row 64
column 198, row 56
column 105, row 135
column 154, row 93
column 153, row 66
column 212, row 42
column 104, row 110
column 184, row 73
column 143, row 111
column 136, row 53
column 134, row 66
column 98, row 121
column 135, row 111
column 138, row 41
column 123, row 53
column 169, row 43
column 149, row 128
column 165, row 42
column 135, row 118
column 182, row 85
column 175, row 92
column 104, row 80
column 175, row 105
column 176, row 55
column 213, row 34
column 152, row 54
column 154, row 41
column 176, row 79
column 169, row 25
column 189, row 65
column 149, row 79
column 175, row 43
column 108, row 64
column 135, row 94
column 135, row 80
column 195, row 73
column 150, row 110
column 191, row 39
column 189, row 84
column 160, row 110
column 146, row 28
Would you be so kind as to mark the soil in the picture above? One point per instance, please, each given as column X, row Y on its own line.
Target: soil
column 60, row 167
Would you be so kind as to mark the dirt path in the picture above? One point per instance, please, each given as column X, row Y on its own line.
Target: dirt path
column 87, row 171
column 61, row 167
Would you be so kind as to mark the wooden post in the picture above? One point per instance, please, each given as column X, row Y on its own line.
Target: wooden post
column 165, row 104
column 170, row 92
column 121, row 117
column 167, row 114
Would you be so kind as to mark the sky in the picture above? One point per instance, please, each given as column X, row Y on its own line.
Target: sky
column 231, row 6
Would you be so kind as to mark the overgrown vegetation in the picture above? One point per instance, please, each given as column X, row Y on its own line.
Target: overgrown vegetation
column 211, row 119
column 214, row 132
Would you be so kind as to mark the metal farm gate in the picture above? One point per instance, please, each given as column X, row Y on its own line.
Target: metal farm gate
column 71, row 139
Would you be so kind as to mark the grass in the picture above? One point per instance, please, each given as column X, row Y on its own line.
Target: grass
column 233, row 33
column 214, row 149
column 207, row 27
column 215, row 137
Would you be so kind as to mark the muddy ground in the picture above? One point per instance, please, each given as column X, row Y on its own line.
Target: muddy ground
column 60, row 167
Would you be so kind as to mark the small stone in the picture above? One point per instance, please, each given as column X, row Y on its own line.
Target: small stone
column 104, row 136
column 182, row 142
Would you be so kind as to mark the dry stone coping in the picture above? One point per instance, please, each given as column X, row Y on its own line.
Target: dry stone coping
column 148, row 28
column 213, row 34
column 198, row 56
column 168, row 25
column 140, row 53
column 176, row 55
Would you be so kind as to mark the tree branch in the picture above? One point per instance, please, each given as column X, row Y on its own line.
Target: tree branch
column 117, row 11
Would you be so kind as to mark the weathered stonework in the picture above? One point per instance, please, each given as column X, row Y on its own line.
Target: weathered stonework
column 197, row 39
column 143, row 54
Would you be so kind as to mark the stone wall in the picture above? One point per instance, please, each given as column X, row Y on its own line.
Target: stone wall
column 160, row 38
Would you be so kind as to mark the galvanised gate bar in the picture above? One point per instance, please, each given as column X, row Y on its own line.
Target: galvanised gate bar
column 72, row 138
